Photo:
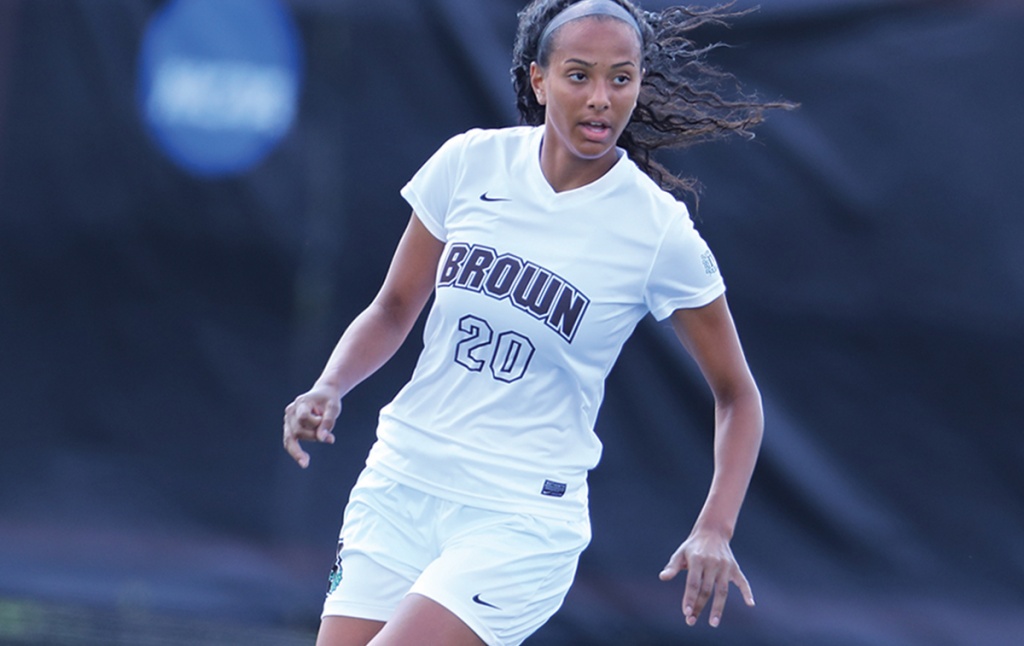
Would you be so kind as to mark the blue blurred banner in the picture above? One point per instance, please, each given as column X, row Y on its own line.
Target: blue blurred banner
column 219, row 81
column 196, row 197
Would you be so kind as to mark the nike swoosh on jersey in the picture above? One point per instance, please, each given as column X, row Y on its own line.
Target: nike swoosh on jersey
column 487, row 198
column 477, row 599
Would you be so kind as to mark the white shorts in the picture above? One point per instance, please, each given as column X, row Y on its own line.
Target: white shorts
column 502, row 574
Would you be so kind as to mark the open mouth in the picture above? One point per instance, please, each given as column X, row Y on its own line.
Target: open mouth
column 596, row 129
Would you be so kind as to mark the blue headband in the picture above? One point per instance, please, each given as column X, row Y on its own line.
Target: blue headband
column 587, row 8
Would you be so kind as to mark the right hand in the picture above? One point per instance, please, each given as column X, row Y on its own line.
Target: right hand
column 710, row 568
column 310, row 418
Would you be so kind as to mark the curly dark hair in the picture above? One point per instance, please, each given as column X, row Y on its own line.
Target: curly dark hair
column 681, row 97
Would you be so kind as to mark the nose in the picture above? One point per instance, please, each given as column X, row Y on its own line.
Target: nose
column 599, row 100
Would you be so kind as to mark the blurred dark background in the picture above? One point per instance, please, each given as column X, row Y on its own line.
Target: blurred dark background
column 193, row 206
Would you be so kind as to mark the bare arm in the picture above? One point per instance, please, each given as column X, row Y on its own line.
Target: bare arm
column 370, row 340
column 709, row 335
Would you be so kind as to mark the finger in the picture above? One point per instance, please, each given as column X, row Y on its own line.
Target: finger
column 691, row 595
column 675, row 565
column 306, row 412
column 324, row 430
column 701, row 589
column 718, row 604
column 741, row 582
column 292, row 429
column 707, row 587
column 291, row 444
column 308, row 417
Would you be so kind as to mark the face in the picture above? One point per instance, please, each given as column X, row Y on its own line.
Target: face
column 589, row 88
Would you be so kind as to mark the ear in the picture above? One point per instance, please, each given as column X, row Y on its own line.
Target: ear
column 537, row 82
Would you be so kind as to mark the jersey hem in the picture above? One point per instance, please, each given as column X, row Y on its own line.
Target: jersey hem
column 574, row 512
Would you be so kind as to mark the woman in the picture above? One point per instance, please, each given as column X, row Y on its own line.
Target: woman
column 543, row 246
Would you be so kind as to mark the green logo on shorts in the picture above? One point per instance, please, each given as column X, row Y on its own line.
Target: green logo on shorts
column 335, row 577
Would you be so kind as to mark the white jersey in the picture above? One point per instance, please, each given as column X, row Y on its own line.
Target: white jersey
column 536, row 292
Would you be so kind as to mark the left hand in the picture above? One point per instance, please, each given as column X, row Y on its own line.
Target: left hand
column 710, row 566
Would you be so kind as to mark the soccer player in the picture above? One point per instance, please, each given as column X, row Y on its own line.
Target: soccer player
column 543, row 246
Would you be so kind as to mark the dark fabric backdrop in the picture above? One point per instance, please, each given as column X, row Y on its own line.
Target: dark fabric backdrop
column 153, row 324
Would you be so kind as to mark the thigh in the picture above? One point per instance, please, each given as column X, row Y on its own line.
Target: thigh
column 424, row 622
column 347, row 631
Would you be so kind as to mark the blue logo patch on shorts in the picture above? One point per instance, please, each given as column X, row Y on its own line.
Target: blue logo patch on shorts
column 553, row 489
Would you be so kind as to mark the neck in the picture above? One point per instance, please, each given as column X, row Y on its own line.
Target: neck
column 565, row 171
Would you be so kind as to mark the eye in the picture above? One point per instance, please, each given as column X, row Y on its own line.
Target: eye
column 577, row 76
column 623, row 79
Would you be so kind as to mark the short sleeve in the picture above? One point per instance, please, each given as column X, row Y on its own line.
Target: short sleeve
column 684, row 273
column 431, row 189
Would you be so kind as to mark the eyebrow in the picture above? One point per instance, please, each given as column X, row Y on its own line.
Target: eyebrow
column 584, row 63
